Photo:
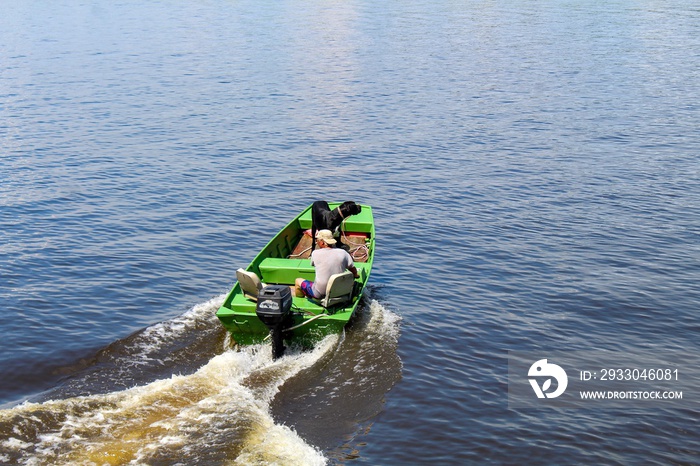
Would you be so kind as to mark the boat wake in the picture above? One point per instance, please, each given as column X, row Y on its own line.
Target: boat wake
column 221, row 413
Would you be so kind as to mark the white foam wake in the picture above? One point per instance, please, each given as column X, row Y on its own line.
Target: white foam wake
column 220, row 414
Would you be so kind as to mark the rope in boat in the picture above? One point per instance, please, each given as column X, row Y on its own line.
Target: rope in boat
column 291, row 256
column 317, row 316
column 360, row 252
column 305, row 322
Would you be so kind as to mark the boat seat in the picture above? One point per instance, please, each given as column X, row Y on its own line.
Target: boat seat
column 286, row 271
column 250, row 283
column 339, row 289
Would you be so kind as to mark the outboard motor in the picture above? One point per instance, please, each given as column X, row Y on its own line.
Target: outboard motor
column 274, row 310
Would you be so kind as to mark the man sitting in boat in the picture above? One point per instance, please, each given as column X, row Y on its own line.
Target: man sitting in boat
column 328, row 261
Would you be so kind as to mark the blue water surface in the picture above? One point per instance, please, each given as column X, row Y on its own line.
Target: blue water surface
column 533, row 169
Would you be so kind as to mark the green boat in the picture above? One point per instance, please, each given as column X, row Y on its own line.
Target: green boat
column 261, row 305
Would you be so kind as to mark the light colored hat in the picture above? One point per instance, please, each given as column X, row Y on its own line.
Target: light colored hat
column 326, row 236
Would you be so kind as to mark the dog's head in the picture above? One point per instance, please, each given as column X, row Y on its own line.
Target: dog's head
column 348, row 208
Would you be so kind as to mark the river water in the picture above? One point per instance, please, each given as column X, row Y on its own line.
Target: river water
column 533, row 169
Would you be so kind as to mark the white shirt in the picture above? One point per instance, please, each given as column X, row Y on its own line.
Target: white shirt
column 328, row 261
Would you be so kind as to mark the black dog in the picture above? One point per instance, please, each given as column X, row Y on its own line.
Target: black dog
column 323, row 218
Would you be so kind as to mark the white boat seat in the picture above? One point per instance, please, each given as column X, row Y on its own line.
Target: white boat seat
column 339, row 289
column 250, row 283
